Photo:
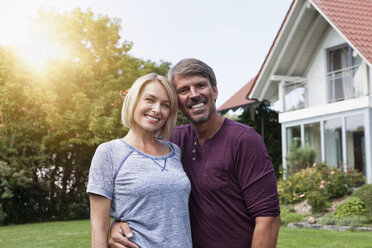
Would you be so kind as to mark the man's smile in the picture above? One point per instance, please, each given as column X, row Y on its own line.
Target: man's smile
column 199, row 105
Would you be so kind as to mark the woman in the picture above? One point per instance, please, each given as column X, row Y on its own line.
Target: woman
column 140, row 177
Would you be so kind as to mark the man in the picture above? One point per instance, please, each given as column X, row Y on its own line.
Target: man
column 234, row 200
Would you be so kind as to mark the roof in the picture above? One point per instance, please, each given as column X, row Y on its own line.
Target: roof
column 239, row 98
column 353, row 18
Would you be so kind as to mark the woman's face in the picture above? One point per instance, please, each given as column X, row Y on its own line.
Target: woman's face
column 152, row 108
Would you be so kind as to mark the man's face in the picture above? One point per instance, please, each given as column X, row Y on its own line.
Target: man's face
column 196, row 97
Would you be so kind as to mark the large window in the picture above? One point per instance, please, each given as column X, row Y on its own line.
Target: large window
column 340, row 85
column 338, row 142
column 312, row 138
column 343, row 65
column 293, row 137
column 333, row 142
column 356, row 156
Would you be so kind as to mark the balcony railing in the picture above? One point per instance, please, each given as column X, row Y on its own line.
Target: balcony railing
column 296, row 96
column 341, row 85
column 345, row 84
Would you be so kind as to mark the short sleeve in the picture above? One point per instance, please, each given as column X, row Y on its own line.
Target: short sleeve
column 256, row 176
column 101, row 179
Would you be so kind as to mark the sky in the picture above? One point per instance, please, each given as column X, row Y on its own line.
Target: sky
column 231, row 36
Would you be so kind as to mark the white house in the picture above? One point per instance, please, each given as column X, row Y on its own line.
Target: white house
column 319, row 70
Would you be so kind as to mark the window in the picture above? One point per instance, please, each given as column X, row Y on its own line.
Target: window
column 356, row 154
column 312, row 138
column 342, row 65
column 293, row 137
column 333, row 142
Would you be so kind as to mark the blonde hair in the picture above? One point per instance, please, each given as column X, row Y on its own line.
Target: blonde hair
column 131, row 99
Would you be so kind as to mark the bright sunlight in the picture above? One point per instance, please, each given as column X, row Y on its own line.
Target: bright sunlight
column 32, row 42
column 39, row 48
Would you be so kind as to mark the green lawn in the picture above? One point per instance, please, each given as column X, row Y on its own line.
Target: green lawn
column 64, row 234
column 71, row 234
column 298, row 238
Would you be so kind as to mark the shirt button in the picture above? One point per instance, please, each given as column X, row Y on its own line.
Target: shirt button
column 193, row 151
column 195, row 143
column 193, row 158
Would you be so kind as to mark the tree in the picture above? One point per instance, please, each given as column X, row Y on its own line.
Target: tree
column 51, row 123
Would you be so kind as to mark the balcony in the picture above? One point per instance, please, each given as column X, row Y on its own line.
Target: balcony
column 295, row 95
column 341, row 85
column 345, row 84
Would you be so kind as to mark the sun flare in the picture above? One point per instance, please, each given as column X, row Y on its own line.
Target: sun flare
column 31, row 40
column 38, row 49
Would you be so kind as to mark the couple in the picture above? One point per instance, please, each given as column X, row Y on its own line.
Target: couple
column 233, row 201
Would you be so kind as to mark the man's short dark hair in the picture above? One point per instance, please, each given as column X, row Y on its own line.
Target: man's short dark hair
column 192, row 66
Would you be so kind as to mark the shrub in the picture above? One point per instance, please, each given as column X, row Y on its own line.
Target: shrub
column 2, row 214
column 293, row 189
column 336, row 185
column 79, row 209
column 331, row 183
column 353, row 221
column 317, row 201
column 328, row 219
column 352, row 206
column 365, row 194
column 289, row 217
column 299, row 157
column 354, row 178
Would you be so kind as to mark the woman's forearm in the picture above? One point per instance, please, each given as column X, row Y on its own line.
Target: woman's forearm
column 99, row 237
column 100, row 220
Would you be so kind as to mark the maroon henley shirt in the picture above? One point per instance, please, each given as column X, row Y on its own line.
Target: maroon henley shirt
column 233, row 182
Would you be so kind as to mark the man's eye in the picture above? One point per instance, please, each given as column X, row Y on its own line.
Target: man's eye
column 182, row 91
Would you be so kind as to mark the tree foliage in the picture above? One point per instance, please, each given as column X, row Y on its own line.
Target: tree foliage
column 51, row 123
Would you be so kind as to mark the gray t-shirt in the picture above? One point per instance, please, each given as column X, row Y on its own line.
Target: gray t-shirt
column 151, row 193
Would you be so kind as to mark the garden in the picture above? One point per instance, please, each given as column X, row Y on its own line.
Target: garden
column 316, row 193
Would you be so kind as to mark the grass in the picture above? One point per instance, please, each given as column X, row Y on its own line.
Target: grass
column 71, row 234
column 298, row 238
column 64, row 234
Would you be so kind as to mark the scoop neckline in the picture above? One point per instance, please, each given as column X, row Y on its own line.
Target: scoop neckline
column 170, row 154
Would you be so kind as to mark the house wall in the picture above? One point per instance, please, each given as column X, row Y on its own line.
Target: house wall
column 317, row 84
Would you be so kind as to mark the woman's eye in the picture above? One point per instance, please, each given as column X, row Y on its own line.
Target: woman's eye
column 148, row 100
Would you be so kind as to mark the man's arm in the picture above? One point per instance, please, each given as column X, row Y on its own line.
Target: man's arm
column 119, row 234
column 265, row 232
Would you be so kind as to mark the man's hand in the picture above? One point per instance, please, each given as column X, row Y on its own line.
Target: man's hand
column 119, row 236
